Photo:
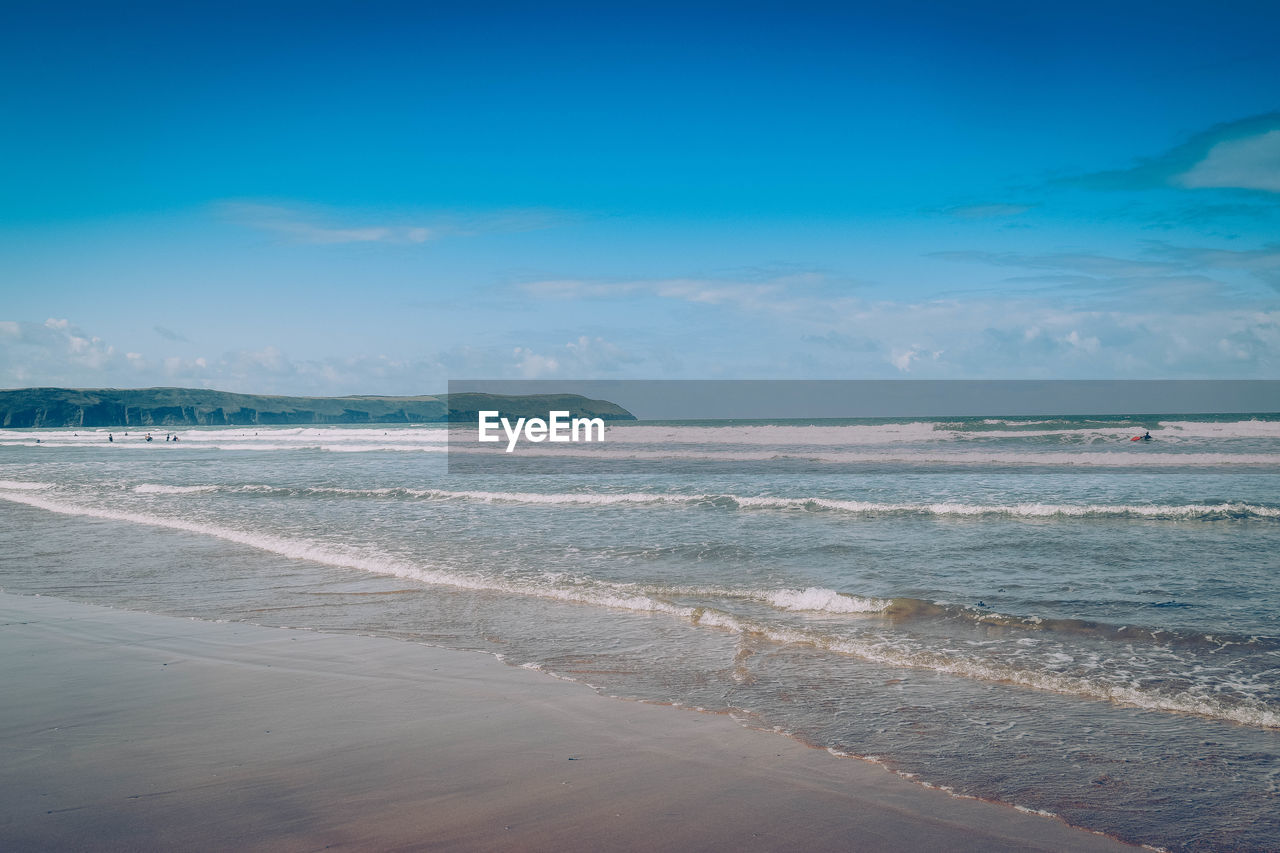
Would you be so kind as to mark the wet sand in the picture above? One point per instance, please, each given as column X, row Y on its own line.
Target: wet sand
column 130, row 731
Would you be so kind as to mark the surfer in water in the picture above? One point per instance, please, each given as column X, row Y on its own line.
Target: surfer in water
column 1147, row 436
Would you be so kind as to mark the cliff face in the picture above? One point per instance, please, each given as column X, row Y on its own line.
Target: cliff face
column 155, row 407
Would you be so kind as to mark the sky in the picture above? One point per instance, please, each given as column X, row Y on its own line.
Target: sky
column 378, row 197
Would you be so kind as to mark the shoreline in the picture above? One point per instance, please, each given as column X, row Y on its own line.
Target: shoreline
column 130, row 730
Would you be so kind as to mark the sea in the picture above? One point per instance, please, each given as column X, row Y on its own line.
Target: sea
column 1034, row 611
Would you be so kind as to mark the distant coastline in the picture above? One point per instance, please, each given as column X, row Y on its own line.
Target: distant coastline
column 157, row 407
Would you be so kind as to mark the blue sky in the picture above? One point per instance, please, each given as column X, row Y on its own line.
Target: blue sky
column 328, row 198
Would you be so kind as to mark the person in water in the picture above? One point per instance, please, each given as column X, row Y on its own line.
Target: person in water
column 110, row 437
column 1147, row 436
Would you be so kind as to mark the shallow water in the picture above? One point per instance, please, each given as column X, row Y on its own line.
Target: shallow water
column 1036, row 611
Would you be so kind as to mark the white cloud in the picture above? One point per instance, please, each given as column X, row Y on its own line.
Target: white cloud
column 1144, row 320
column 1262, row 264
column 531, row 365
column 902, row 359
column 1242, row 154
column 59, row 353
column 303, row 226
column 1092, row 316
column 169, row 334
column 53, row 348
column 1160, row 269
column 988, row 211
column 1072, row 262
column 585, row 356
column 1090, row 344
column 1251, row 163
column 323, row 226
column 752, row 290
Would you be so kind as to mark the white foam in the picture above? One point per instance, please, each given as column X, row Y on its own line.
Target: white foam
column 846, row 435
column 1182, row 443
column 1218, row 430
column 958, row 509
column 1085, row 433
column 161, row 489
column 1033, row 510
column 1021, row 510
column 823, row 600
column 309, row 436
column 1029, row 810
column 1125, row 455
column 879, row 650
column 267, row 438
column 871, row 647
column 24, row 486
column 778, row 435
column 621, row 596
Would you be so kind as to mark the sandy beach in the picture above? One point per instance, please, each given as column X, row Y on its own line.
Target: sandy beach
column 131, row 731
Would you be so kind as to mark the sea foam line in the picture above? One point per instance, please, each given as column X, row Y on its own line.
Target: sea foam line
column 24, row 485
column 871, row 648
column 300, row 549
column 1030, row 509
column 876, row 650
column 1126, row 455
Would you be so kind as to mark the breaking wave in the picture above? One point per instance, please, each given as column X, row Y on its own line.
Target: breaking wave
column 869, row 645
column 1224, row 510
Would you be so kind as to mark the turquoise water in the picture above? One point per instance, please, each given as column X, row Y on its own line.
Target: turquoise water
column 1036, row 611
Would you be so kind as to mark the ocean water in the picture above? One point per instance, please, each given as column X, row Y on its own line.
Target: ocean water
column 1028, row 610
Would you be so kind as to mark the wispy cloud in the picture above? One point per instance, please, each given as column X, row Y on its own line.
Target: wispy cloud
column 1249, row 163
column 59, row 353
column 169, row 334
column 1263, row 264
column 1242, row 155
column 1025, row 337
column 1160, row 264
column 1169, row 312
column 51, row 352
column 324, row 226
column 704, row 291
column 1077, row 262
column 988, row 211
column 585, row 356
column 746, row 289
